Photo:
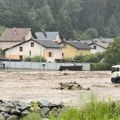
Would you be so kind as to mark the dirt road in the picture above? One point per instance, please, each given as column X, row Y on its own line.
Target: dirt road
column 36, row 85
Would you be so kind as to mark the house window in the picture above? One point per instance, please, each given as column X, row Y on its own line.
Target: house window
column 62, row 54
column 29, row 53
column 32, row 44
column 21, row 48
column 50, row 54
column 21, row 57
column 94, row 47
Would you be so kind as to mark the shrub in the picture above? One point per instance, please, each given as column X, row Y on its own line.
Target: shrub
column 99, row 66
column 35, row 59
column 32, row 116
column 38, row 59
column 27, row 59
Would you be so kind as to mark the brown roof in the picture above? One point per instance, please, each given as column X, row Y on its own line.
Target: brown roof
column 15, row 34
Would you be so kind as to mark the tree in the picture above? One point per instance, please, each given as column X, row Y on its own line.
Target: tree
column 45, row 18
column 114, row 30
column 68, row 17
column 112, row 54
column 92, row 32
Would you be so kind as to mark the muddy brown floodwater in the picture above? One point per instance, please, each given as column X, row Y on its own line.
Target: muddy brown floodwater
column 36, row 85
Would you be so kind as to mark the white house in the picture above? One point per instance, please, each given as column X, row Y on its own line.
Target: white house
column 98, row 46
column 30, row 48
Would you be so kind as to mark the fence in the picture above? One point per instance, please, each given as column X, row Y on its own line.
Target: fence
column 41, row 65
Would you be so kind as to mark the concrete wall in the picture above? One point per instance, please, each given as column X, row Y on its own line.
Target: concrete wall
column 39, row 65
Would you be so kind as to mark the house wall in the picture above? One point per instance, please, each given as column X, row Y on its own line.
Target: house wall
column 70, row 52
column 57, row 39
column 4, row 45
column 56, row 54
column 98, row 48
column 15, row 53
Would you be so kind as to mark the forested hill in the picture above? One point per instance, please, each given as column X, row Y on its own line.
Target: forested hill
column 80, row 19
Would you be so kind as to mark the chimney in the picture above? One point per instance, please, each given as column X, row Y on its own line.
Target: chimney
column 15, row 30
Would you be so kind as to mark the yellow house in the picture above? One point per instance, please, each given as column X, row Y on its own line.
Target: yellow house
column 71, row 49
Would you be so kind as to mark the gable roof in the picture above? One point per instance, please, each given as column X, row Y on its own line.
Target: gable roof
column 46, row 44
column 78, row 45
column 104, row 40
column 46, row 35
column 101, row 44
column 15, row 34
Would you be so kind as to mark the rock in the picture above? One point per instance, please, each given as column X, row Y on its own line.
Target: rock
column 2, row 117
column 5, row 115
column 1, row 101
column 45, row 111
column 24, row 113
column 87, row 88
column 43, row 103
column 51, row 105
column 24, row 106
column 65, row 73
column 13, row 117
column 15, row 112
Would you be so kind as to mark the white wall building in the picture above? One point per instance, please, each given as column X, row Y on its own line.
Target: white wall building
column 48, row 49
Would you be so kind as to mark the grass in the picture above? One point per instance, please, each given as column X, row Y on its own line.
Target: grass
column 32, row 116
column 93, row 110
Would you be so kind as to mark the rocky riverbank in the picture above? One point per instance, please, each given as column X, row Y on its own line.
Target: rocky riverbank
column 14, row 110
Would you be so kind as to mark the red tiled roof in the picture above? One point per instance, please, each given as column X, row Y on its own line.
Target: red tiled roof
column 15, row 34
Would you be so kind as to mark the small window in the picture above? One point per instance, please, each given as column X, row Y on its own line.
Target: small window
column 62, row 54
column 32, row 44
column 21, row 48
column 29, row 53
column 21, row 57
column 50, row 54
column 94, row 47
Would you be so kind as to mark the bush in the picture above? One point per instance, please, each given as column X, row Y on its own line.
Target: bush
column 32, row 116
column 38, row 59
column 99, row 66
column 35, row 59
column 90, row 58
column 27, row 59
